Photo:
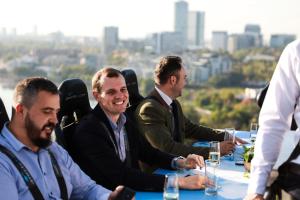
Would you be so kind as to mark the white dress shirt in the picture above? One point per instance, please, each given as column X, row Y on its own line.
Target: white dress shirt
column 165, row 97
column 276, row 116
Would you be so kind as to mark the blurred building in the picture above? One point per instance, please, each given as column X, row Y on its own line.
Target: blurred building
column 281, row 40
column 219, row 40
column 110, row 39
column 165, row 42
column 240, row 41
column 195, row 29
column 209, row 64
column 181, row 20
column 254, row 30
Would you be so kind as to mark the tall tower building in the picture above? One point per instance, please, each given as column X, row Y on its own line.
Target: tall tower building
column 196, row 29
column 110, row 39
column 181, row 20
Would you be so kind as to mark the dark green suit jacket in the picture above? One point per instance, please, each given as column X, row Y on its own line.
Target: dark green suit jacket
column 155, row 121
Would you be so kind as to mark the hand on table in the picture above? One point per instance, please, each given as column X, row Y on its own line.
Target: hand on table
column 191, row 162
column 113, row 195
column 192, row 182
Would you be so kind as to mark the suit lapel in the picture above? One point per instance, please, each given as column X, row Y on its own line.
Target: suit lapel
column 99, row 113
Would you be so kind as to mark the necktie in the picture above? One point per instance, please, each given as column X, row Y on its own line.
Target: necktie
column 176, row 135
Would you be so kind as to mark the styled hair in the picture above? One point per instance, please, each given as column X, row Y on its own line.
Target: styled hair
column 167, row 66
column 105, row 72
column 27, row 89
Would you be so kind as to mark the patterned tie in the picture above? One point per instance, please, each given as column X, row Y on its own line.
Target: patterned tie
column 176, row 135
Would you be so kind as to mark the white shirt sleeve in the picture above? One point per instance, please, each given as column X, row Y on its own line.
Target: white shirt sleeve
column 275, row 116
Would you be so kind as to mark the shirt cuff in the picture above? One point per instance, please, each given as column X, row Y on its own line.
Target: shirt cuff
column 174, row 164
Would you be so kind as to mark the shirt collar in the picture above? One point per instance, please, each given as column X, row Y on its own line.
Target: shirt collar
column 120, row 123
column 16, row 144
column 165, row 97
column 11, row 139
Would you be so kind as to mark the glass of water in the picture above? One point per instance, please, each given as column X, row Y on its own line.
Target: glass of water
column 214, row 152
column 211, row 185
column 230, row 136
column 171, row 188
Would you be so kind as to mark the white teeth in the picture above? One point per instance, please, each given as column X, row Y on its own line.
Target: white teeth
column 119, row 103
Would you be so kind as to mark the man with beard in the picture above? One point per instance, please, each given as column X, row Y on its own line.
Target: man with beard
column 47, row 171
column 108, row 147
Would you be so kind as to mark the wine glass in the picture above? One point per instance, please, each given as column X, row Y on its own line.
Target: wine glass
column 253, row 132
column 214, row 152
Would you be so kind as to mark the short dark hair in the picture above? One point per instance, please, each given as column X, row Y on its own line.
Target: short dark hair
column 167, row 66
column 27, row 89
column 105, row 72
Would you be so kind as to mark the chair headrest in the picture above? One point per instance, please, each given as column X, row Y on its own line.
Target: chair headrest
column 73, row 98
column 3, row 114
column 132, row 86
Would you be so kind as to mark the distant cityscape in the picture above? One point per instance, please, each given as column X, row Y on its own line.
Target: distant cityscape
column 186, row 40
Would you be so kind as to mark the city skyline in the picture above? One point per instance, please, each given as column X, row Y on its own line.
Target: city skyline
column 138, row 18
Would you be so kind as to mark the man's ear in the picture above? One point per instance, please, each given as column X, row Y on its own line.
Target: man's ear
column 173, row 80
column 96, row 95
column 19, row 108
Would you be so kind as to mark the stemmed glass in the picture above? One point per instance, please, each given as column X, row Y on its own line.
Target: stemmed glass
column 253, row 132
column 214, row 152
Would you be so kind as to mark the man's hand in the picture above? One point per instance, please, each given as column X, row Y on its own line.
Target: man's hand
column 226, row 147
column 254, row 197
column 191, row 162
column 192, row 182
column 113, row 195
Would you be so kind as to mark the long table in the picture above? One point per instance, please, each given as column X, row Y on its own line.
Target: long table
column 231, row 178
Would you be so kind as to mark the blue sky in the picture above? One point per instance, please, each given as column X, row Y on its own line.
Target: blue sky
column 137, row 18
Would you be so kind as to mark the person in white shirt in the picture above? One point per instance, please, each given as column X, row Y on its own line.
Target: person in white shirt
column 275, row 119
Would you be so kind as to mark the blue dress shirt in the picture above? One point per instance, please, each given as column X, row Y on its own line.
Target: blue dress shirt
column 13, row 187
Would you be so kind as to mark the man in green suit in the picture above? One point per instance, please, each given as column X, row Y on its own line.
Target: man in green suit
column 161, row 120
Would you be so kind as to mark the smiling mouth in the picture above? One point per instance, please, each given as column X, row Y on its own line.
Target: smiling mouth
column 119, row 102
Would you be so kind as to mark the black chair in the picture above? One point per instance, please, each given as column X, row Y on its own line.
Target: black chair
column 74, row 104
column 260, row 100
column 3, row 114
column 133, row 89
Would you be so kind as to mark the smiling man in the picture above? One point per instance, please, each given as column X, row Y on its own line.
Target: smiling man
column 109, row 148
column 48, row 172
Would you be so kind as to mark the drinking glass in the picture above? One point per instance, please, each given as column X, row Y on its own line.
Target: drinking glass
column 253, row 131
column 211, row 185
column 214, row 152
column 171, row 191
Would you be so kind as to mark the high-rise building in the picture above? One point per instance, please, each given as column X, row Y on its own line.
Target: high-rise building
column 254, row 31
column 196, row 29
column 181, row 20
column 219, row 40
column 240, row 41
column 165, row 42
column 110, row 39
column 281, row 40
column 252, row 28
